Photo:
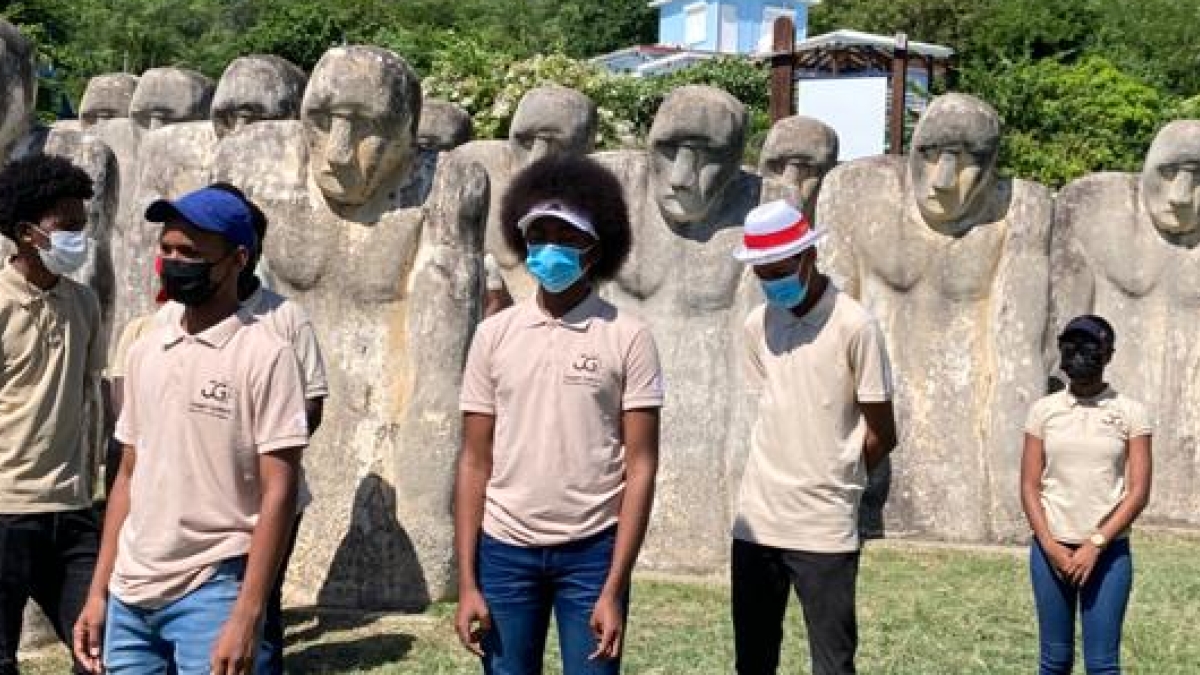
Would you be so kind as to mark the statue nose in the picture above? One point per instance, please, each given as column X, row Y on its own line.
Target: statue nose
column 791, row 174
column 541, row 149
column 341, row 143
column 1181, row 192
column 945, row 175
column 683, row 170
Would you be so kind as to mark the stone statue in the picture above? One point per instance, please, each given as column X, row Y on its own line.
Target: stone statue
column 953, row 261
column 107, row 97
column 18, row 81
column 795, row 157
column 549, row 120
column 386, row 257
column 166, row 96
column 444, row 126
column 688, row 197
column 256, row 88
column 1125, row 248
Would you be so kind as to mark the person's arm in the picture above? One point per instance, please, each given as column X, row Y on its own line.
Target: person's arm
column 1033, row 463
column 1138, row 470
column 474, row 470
column 880, row 438
column 314, row 413
column 278, row 477
column 88, row 632
column 640, row 431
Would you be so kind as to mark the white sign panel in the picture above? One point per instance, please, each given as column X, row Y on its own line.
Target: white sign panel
column 856, row 108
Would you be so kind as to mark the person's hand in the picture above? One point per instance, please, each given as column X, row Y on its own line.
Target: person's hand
column 472, row 620
column 1083, row 561
column 88, row 634
column 1060, row 558
column 235, row 649
column 608, row 625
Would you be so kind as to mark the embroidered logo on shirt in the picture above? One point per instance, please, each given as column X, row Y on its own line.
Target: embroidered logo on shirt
column 585, row 370
column 1116, row 421
column 215, row 399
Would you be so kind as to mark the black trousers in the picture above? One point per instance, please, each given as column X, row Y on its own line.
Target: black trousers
column 48, row 557
column 762, row 578
column 270, row 650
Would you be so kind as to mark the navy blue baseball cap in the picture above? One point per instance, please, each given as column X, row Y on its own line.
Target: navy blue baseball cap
column 1089, row 326
column 212, row 210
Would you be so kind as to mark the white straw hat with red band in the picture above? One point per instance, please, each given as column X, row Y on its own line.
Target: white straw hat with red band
column 774, row 231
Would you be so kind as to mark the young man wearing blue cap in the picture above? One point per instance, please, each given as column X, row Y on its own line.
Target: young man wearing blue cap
column 213, row 426
column 824, row 420
column 51, row 353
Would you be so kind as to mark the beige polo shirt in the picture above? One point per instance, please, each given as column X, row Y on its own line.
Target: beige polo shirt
column 558, row 388
column 1085, row 443
column 132, row 332
column 199, row 410
column 50, row 346
column 289, row 321
column 805, row 473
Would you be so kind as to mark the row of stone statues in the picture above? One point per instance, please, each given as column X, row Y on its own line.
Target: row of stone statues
column 381, row 210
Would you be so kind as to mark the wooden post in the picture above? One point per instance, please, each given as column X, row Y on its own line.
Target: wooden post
column 783, row 69
column 899, row 88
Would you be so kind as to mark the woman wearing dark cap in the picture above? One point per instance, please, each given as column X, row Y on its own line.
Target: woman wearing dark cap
column 1085, row 477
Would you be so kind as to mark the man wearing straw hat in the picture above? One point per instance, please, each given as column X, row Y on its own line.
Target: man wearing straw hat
column 817, row 360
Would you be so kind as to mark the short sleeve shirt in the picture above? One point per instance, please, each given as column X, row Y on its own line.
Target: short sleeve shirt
column 50, row 347
column 199, row 410
column 1085, row 444
column 557, row 389
column 805, row 473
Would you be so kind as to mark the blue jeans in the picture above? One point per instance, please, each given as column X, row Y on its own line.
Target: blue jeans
column 177, row 638
column 1101, row 601
column 523, row 584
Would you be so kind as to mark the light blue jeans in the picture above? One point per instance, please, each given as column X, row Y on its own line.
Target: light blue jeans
column 1101, row 603
column 177, row 638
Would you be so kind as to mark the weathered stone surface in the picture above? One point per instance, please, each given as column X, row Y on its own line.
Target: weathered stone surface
column 688, row 197
column 256, row 88
column 389, row 267
column 166, row 96
column 18, row 81
column 444, row 126
column 107, row 98
column 954, row 263
column 795, row 157
column 1125, row 247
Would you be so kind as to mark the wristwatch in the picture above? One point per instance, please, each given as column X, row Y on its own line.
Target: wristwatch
column 1098, row 540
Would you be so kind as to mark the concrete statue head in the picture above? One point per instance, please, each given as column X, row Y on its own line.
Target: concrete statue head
column 19, row 83
column 952, row 163
column 361, row 113
column 107, row 97
column 696, row 145
column 256, row 88
column 798, row 152
column 167, row 96
column 1170, row 183
column 444, row 126
column 552, row 120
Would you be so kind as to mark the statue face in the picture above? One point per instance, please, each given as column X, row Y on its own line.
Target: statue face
column 170, row 96
column 18, row 81
column 360, row 137
column 953, row 158
column 444, row 126
column 107, row 97
column 1170, row 183
column 253, row 89
column 695, row 150
column 799, row 152
column 549, row 121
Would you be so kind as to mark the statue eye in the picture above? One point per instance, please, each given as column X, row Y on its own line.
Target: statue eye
column 1168, row 171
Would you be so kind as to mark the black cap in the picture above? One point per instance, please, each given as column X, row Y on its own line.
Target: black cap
column 1090, row 326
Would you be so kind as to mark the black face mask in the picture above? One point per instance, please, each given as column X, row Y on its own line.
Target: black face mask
column 1082, row 362
column 189, row 282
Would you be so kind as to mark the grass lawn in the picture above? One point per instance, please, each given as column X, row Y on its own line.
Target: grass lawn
column 924, row 610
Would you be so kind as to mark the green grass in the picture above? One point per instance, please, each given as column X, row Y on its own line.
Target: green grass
column 923, row 610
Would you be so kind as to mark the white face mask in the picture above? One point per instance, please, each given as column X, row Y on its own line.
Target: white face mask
column 67, row 253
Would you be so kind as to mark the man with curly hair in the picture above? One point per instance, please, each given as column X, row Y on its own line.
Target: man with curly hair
column 560, row 401
column 51, row 355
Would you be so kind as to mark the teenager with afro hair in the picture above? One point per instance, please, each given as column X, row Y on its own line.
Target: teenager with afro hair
column 51, row 357
column 560, row 399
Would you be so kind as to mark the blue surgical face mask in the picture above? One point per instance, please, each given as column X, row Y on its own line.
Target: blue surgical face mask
column 786, row 293
column 555, row 267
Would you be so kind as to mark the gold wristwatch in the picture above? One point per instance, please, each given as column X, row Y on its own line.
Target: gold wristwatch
column 1098, row 540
